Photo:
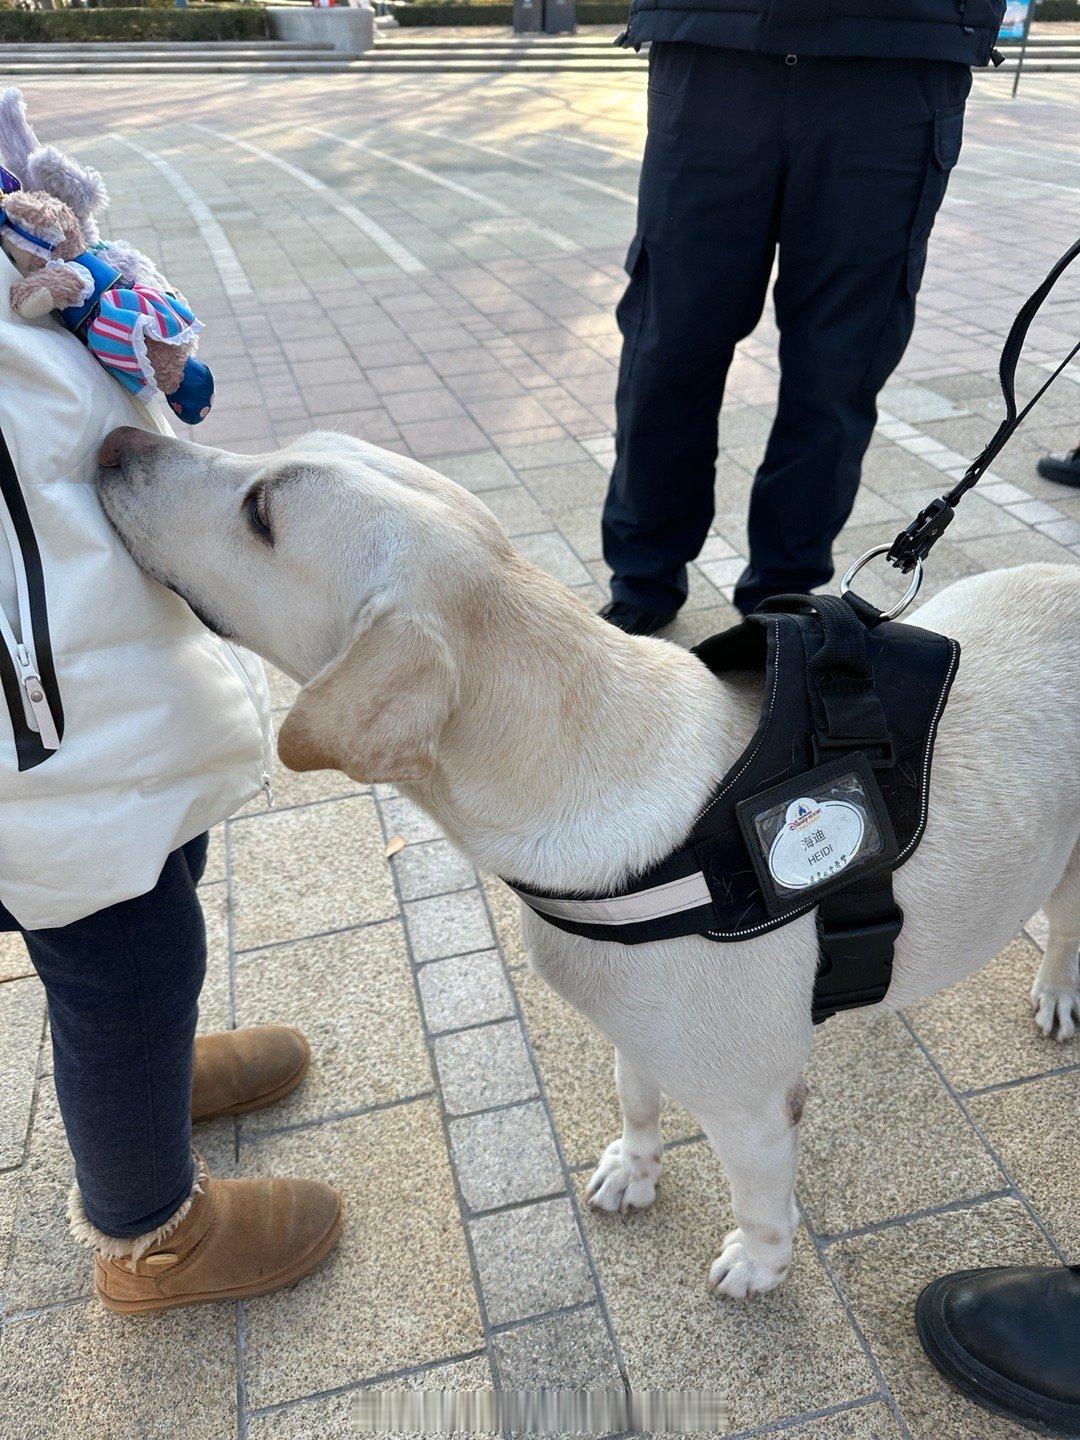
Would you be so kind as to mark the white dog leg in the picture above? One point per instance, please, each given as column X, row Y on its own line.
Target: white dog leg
column 1055, row 995
column 628, row 1171
column 758, row 1151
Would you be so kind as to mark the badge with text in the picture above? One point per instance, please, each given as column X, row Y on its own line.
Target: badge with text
column 814, row 832
column 818, row 838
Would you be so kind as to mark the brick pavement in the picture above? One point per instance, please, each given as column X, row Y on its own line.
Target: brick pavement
column 432, row 265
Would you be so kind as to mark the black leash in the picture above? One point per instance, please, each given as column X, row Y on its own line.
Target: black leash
column 913, row 545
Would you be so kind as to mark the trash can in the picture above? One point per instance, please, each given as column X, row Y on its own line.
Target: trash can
column 528, row 16
column 558, row 17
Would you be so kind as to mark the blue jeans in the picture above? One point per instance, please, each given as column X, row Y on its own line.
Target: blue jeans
column 123, row 988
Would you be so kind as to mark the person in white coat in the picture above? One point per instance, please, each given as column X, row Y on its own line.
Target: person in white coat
column 127, row 730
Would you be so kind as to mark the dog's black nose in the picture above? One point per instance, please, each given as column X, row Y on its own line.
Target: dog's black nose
column 118, row 444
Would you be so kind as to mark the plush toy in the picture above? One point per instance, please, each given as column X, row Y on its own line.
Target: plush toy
column 107, row 293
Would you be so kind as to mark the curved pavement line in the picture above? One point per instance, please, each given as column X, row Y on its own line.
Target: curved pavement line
column 583, row 180
column 496, row 207
column 393, row 249
column 225, row 259
column 628, row 155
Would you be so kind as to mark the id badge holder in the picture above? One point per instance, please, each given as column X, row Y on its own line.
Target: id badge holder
column 816, row 832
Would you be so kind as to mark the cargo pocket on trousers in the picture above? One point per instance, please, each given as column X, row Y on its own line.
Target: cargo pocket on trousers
column 944, row 152
column 630, row 312
column 946, row 136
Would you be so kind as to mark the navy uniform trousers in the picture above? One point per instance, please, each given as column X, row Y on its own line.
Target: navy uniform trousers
column 838, row 166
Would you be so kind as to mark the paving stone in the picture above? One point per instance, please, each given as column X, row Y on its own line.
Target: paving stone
column 1033, row 1128
column 467, row 990
column 283, row 691
column 505, row 908
column 398, row 1290
column 881, row 1275
column 577, row 1065
column 352, row 995
column 561, row 487
column 215, row 1000
column 484, row 1067
column 789, row 1352
column 22, row 1017
column 47, row 1266
column 505, row 1156
column 404, row 818
column 871, row 1150
column 305, row 871
column 486, row 470
column 433, row 868
column 14, row 961
column 866, row 1422
column 530, row 1260
column 81, row 1371
column 559, row 1352
column 551, row 553
column 982, row 1031
column 215, row 870
column 448, row 925
column 548, row 452
column 335, row 1417
column 917, row 403
column 516, row 510
column 9, row 1196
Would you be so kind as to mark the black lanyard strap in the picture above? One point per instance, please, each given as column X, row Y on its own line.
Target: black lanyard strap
column 915, row 543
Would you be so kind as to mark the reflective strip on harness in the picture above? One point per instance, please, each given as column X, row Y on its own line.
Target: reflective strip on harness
column 671, row 898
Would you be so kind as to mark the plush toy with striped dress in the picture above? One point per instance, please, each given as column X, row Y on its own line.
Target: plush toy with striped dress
column 108, row 294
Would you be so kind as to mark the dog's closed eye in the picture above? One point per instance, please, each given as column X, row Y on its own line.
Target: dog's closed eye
column 257, row 512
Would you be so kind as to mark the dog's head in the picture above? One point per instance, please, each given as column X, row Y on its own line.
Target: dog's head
column 356, row 571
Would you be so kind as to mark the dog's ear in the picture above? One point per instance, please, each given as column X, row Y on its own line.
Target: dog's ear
column 377, row 711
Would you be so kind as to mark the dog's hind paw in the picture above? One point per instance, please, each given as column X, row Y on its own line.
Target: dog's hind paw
column 624, row 1180
column 738, row 1273
column 1057, row 1010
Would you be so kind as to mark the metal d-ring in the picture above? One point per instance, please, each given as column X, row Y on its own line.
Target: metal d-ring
column 912, row 590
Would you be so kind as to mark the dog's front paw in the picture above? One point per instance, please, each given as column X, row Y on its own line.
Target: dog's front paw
column 624, row 1180
column 744, row 1268
column 1057, row 1009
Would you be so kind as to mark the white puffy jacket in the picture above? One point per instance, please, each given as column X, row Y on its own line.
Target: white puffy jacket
column 126, row 728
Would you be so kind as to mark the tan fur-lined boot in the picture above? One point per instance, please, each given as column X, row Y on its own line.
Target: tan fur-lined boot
column 230, row 1239
column 238, row 1071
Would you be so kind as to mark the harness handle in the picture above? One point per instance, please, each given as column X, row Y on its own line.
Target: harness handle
column 914, row 544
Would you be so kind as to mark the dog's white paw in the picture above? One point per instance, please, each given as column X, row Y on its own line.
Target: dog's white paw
column 1057, row 1009
column 743, row 1269
column 624, row 1181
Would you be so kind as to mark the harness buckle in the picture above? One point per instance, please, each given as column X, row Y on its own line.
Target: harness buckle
column 854, row 964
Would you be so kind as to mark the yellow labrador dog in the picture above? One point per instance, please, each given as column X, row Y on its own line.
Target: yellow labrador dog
column 555, row 749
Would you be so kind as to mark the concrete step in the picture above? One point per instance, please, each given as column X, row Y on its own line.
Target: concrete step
column 165, row 47
column 197, row 67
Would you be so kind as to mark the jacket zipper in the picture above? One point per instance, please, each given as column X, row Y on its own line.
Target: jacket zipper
column 27, row 672
column 246, row 681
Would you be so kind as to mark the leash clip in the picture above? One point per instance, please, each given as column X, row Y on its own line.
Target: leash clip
column 909, row 594
column 913, row 545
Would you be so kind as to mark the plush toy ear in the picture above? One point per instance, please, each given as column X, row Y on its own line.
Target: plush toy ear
column 376, row 712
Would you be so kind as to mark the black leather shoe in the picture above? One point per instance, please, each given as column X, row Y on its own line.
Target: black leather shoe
column 1009, row 1338
column 1065, row 469
column 634, row 621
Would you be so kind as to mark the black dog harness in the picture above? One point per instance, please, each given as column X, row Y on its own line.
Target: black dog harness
column 832, row 793
column 829, row 797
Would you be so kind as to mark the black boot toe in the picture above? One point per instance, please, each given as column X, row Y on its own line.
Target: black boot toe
column 1009, row 1338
